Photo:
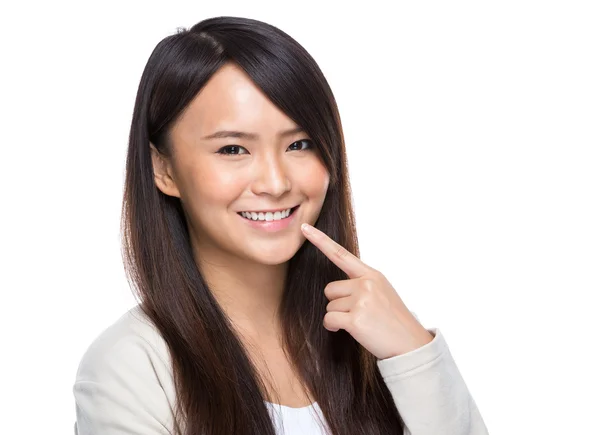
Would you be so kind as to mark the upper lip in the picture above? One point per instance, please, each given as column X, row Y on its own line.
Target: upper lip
column 265, row 210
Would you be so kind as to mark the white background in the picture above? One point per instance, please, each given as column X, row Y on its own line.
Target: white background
column 472, row 131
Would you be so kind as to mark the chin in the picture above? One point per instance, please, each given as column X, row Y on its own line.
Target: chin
column 274, row 257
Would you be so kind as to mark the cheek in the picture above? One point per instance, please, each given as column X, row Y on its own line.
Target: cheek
column 316, row 180
column 210, row 186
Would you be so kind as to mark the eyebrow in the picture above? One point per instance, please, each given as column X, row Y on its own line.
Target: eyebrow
column 249, row 136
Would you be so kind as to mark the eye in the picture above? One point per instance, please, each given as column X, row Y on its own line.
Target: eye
column 308, row 142
column 230, row 148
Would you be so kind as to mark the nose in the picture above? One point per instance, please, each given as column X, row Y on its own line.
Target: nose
column 271, row 177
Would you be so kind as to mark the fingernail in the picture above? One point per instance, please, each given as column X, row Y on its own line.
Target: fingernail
column 307, row 228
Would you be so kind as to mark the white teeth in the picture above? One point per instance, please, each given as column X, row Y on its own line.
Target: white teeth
column 268, row 216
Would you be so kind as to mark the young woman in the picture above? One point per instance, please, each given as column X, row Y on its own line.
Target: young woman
column 247, row 323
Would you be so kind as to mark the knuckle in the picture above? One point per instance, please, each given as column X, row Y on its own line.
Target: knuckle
column 376, row 275
column 327, row 291
column 368, row 286
column 327, row 319
column 341, row 251
column 356, row 320
column 362, row 302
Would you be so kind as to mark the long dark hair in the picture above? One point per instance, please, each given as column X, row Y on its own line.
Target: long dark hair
column 218, row 387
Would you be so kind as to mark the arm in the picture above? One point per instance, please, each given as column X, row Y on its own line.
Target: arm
column 119, row 389
column 430, row 393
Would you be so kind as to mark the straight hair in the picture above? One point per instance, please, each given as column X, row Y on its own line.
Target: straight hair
column 218, row 387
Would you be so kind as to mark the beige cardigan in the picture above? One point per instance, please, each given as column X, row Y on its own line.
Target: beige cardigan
column 124, row 385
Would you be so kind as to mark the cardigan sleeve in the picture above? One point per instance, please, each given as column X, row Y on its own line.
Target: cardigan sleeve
column 118, row 389
column 429, row 391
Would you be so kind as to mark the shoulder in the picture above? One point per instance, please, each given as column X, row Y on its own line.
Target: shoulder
column 125, row 378
column 132, row 341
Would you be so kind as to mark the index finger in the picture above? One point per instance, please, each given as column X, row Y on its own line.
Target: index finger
column 340, row 256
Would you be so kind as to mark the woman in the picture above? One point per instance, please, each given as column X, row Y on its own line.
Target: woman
column 247, row 323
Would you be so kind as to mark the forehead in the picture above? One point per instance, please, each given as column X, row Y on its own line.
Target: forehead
column 231, row 100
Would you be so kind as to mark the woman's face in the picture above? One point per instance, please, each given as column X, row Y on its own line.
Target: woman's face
column 217, row 178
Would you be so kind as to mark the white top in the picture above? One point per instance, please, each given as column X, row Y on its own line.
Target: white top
column 296, row 421
column 124, row 385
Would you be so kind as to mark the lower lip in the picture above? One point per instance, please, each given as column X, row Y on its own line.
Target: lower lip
column 271, row 226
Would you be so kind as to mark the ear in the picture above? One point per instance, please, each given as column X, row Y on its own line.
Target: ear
column 163, row 173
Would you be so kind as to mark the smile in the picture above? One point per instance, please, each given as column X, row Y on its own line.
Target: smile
column 270, row 221
column 268, row 216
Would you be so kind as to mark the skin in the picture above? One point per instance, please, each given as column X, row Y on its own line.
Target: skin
column 245, row 267
column 366, row 305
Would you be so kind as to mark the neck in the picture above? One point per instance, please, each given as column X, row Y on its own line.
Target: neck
column 249, row 293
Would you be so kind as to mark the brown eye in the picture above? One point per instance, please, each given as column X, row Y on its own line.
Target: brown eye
column 303, row 141
column 226, row 150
